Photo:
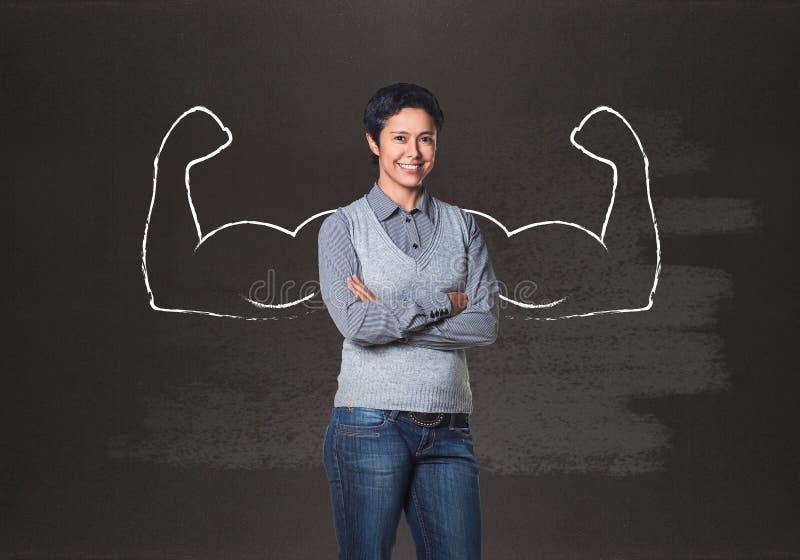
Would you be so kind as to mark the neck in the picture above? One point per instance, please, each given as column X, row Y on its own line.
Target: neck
column 405, row 197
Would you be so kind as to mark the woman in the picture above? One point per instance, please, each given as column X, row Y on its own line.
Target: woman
column 407, row 280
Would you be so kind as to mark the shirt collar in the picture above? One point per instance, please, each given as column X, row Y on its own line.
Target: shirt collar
column 383, row 206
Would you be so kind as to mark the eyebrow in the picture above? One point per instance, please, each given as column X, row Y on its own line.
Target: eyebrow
column 406, row 132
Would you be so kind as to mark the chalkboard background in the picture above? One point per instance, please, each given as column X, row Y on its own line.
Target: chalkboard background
column 135, row 433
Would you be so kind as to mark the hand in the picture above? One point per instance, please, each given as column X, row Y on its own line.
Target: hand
column 458, row 302
column 355, row 285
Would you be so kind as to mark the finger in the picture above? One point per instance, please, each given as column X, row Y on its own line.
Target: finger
column 363, row 288
column 367, row 293
column 357, row 289
column 353, row 288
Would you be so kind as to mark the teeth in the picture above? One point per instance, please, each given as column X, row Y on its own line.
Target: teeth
column 407, row 166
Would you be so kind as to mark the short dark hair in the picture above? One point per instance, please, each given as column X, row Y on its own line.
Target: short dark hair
column 389, row 100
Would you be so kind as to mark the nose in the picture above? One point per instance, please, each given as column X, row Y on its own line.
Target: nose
column 412, row 150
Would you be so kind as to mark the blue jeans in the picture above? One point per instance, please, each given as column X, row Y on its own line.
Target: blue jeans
column 379, row 463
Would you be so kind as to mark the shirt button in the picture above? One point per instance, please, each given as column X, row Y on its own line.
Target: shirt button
column 408, row 219
column 414, row 245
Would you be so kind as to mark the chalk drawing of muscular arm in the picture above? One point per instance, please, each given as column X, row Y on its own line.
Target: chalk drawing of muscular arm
column 556, row 269
column 191, row 267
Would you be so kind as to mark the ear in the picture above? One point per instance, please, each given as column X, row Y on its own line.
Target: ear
column 372, row 145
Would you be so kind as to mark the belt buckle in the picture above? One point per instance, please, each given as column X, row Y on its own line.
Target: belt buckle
column 429, row 423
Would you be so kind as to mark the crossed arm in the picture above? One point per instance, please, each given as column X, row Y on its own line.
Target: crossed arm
column 363, row 318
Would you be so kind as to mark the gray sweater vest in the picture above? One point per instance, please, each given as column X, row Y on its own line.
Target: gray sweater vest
column 397, row 375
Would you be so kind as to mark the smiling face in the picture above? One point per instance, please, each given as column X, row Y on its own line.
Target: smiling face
column 406, row 150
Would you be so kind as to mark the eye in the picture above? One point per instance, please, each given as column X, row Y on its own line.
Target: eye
column 399, row 137
column 427, row 139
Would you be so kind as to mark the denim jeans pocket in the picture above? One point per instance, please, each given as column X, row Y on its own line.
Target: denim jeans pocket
column 358, row 420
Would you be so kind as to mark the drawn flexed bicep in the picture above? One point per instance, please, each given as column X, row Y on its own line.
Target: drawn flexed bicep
column 245, row 269
column 560, row 269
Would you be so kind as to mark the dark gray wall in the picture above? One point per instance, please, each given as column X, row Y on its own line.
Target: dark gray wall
column 132, row 433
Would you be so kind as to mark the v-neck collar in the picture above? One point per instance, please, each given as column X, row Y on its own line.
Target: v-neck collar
column 425, row 256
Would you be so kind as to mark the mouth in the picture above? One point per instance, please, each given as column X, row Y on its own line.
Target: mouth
column 410, row 167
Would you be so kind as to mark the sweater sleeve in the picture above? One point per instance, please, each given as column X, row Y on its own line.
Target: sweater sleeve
column 366, row 322
column 477, row 324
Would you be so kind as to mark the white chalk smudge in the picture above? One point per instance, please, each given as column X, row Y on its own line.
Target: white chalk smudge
column 548, row 397
column 704, row 216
